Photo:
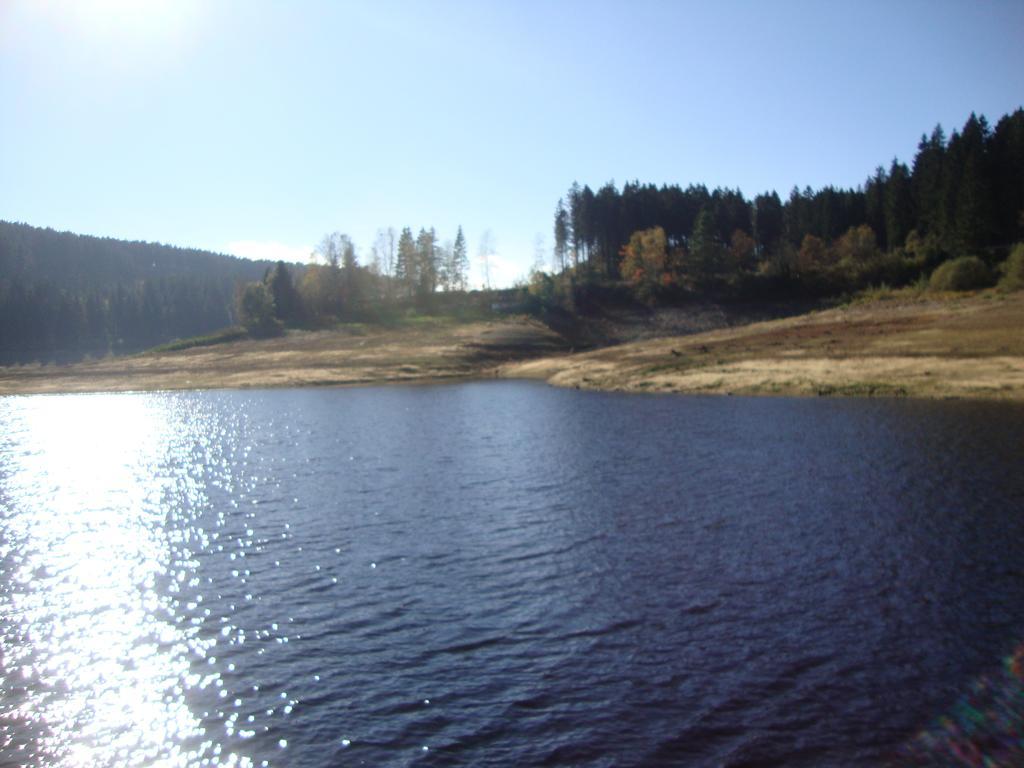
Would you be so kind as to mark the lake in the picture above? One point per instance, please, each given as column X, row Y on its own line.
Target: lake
column 497, row 573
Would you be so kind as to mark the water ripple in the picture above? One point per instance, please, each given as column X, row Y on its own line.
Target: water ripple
column 496, row 575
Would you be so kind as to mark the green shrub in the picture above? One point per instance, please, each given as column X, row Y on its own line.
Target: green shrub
column 255, row 307
column 542, row 287
column 963, row 274
column 1013, row 270
column 927, row 252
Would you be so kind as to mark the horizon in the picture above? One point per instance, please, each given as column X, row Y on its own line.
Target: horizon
column 249, row 129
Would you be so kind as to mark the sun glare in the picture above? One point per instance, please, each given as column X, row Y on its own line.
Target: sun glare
column 91, row 486
column 123, row 23
column 125, row 16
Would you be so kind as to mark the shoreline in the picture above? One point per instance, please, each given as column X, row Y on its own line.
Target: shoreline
column 735, row 383
column 346, row 356
column 963, row 347
column 932, row 348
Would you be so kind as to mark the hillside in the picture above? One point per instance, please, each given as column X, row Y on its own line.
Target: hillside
column 83, row 263
column 64, row 296
column 431, row 350
column 951, row 346
column 945, row 346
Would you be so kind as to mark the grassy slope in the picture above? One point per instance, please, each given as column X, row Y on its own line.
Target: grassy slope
column 947, row 346
column 354, row 354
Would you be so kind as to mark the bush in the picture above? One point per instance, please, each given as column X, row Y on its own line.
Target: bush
column 1013, row 270
column 963, row 274
column 542, row 288
column 255, row 307
column 927, row 252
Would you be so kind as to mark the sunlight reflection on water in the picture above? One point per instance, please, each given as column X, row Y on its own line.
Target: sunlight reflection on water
column 97, row 664
column 504, row 573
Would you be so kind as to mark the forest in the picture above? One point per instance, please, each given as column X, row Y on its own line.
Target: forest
column 961, row 197
column 65, row 296
column 959, row 205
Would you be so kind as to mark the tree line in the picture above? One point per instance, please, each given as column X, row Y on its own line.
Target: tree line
column 43, row 322
column 401, row 269
column 961, row 195
column 64, row 296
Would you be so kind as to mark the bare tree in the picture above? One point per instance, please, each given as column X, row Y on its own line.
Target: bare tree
column 447, row 270
column 487, row 249
column 334, row 248
column 384, row 256
column 540, row 254
column 384, row 251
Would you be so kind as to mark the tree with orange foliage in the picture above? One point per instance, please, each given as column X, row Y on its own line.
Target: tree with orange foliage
column 857, row 246
column 741, row 250
column 812, row 256
column 646, row 264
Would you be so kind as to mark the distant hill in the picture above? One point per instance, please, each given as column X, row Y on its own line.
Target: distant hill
column 64, row 296
column 83, row 263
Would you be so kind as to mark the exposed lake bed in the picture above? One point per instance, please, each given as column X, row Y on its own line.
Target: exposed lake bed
column 499, row 573
column 925, row 347
column 935, row 347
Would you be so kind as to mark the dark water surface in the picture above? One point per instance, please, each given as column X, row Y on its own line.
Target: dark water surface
column 497, row 574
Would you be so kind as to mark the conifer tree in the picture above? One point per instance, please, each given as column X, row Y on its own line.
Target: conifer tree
column 874, row 197
column 561, row 236
column 460, row 262
column 899, row 205
column 974, row 217
column 426, row 258
column 1007, row 164
column 767, row 222
column 287, row 304
column 406, row 272
column 706, row 249
column 926, row 183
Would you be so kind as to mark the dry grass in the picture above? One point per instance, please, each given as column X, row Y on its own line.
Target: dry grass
column 353, row 355
column 930, row 346
column 947, row 346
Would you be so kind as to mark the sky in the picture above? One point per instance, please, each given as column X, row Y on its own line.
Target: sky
column 255, row 128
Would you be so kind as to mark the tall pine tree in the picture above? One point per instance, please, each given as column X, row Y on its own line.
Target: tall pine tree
column 406, row 267
column 460, row 262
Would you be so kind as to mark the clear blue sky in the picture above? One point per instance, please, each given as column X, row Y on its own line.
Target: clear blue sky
column 256, row 127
